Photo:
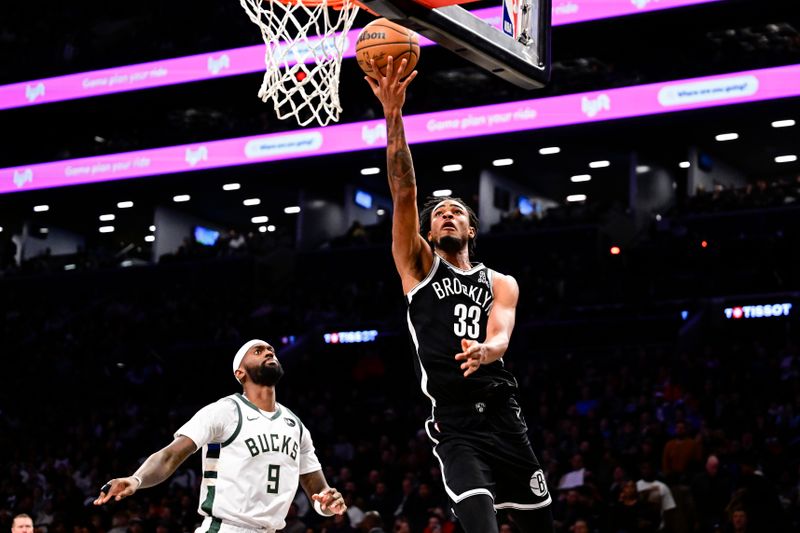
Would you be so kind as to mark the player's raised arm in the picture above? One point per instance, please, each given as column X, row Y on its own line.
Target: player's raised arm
column 498, row 328
column 153, row 471
column 412, row 255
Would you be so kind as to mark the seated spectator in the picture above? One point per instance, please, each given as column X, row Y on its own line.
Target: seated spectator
column 738, row 522
column 631, row 514
column 681, row 454
column 655, row 493
column 712, row 491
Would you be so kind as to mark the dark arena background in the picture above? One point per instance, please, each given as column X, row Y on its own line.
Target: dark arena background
column 655, row 238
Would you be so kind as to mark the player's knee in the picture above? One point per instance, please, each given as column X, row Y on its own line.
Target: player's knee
column 476, row 514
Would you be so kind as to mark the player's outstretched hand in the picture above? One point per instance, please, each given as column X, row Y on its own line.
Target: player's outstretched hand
column 118, row 489
column 473, row 355
column 389, row 89
column 330, row 500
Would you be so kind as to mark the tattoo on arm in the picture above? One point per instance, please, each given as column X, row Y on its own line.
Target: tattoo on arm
column 399, row 164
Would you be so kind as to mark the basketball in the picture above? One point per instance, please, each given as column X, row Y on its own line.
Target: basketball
column 382, row 38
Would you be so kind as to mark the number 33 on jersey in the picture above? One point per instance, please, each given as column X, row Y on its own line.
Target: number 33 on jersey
column 449, row 305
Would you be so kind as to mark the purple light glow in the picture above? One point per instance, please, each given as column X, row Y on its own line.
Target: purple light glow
column 581, row 108
column 250, row 59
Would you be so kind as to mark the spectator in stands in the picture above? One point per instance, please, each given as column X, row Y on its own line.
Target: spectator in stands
column 712, row 491
column 372, row 523
column 655, row 493
column 681, row 454
column 757, row 497
column 738, row 523
column 401, row 525
column 631, row 514
column 580, row 526
column 22, row 523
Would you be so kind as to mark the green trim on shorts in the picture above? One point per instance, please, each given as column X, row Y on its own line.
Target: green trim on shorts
column 215, row 525
column 208, row 505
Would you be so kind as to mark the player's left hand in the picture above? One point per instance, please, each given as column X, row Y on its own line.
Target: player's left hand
column 473, row 354
column 330, row 500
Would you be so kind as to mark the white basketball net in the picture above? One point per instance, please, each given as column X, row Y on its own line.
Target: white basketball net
column 303, row 57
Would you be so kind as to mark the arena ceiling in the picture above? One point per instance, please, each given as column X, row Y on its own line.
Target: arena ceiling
column 694, row 41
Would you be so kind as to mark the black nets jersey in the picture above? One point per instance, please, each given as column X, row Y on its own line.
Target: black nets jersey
column 451, row 304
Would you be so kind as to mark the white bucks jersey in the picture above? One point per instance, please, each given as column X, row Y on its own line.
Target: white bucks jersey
column 449, row 305
column 251, row 478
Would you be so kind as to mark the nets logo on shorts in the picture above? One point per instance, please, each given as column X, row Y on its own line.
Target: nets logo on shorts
column 538, row 484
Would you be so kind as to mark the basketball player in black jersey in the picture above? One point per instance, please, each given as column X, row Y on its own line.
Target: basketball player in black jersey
column 460, row 317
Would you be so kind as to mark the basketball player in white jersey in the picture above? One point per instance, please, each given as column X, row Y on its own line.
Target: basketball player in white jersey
column 460, row 318
column 255, row 453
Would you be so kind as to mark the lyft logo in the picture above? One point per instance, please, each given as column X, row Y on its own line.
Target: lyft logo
column 195, row 156
column 640, row 4
column 21, row 177
column 215, row 66
column 373, row 135
column 592, row 106
column 32, row 92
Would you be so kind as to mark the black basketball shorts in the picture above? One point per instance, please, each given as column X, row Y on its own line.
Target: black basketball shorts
column 484, row 448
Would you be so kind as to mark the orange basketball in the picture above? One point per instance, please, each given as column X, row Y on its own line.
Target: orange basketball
column 382, row 38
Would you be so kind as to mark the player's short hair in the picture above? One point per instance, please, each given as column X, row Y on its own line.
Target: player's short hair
column 427, row 210
column 21, row 515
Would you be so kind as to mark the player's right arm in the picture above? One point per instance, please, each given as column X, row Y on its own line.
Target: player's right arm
column 215, row 422
column 153, row 471
column 412, row 255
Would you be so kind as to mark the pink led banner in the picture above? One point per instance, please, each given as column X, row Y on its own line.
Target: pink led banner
column 250, row 59
column 595, row 106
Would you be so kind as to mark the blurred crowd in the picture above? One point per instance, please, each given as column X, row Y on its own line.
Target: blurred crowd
column 694, row 430
column 638, row 438
column 762, row 193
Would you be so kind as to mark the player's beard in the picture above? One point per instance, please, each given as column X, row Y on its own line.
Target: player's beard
column 451, row 244
column 266, row 374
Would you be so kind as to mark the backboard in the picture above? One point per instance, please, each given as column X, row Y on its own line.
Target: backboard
column 518, row 53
